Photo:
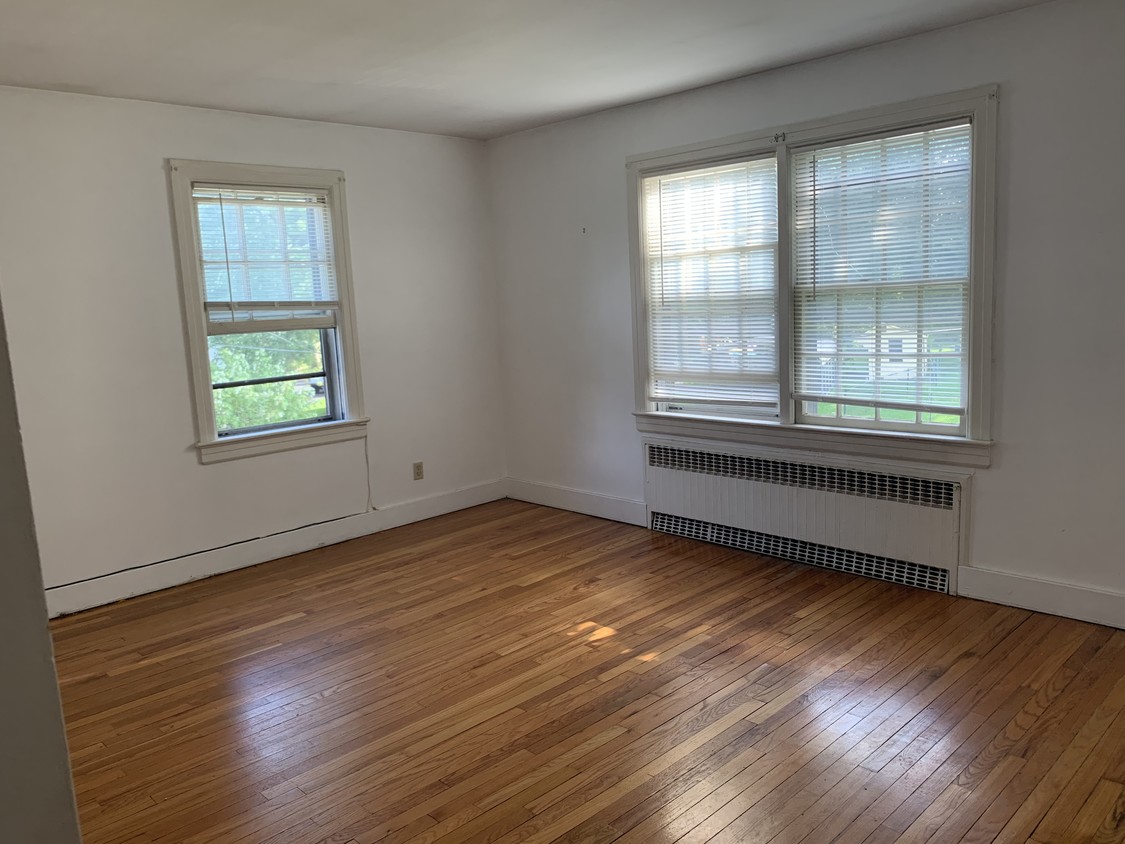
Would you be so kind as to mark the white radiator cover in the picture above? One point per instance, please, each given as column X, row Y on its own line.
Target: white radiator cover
column 777, row 494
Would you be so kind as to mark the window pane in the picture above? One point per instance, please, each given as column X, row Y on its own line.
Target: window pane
column 265, row 246
column 266, row 354
column 262, row 224
column 858, row 412
column 898, row 415
column 274, row 403
column 950, row 419
column 711, row 269
column 820, row 408
column 239, row 358
column 881, row 240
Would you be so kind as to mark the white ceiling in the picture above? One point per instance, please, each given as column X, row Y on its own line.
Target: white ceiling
column 476, row 68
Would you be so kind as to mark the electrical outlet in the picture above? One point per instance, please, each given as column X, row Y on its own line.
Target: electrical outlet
column 418, row 473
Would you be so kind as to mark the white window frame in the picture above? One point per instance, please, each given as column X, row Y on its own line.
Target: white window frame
column 352, row 424
column 972, row 449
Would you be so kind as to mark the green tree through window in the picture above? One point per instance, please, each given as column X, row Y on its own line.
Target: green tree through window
column 295, row 358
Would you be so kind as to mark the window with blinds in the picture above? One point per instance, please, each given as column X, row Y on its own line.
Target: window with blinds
column 267, row 298
column 834, row 274
column 265, row 256
column 881, row 241
column 270, row 295
column 710, row 265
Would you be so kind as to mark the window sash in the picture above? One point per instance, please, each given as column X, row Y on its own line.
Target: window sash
column 328, row 373
column 881, row 230
column 251, row 317
column 713, row 292
column 253, row 241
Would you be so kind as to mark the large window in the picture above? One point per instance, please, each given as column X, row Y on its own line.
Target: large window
column 267, row 297
column 831, row 275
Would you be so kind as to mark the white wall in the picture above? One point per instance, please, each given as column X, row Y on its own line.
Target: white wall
column 36, row 796
column 88, row 276
column 1053, row 504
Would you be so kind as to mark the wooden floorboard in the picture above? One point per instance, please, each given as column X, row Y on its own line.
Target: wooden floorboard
column 513, row 673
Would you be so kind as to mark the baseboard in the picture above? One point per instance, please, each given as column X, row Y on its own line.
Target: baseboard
column 114, row 587
column 1049, row 596
column 611, row 507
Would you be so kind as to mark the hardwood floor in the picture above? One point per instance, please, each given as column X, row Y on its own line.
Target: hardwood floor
column 516, row 673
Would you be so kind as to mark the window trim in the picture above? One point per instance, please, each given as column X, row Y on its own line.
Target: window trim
column 183, row 175
column 283, row 439
column 974, row 448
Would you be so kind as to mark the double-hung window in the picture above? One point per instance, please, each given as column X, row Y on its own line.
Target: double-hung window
column 267, row 296
column 833, row 274
column 710, row 255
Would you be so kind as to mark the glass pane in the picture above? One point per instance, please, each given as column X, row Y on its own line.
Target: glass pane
column 820, row 408
column 715, row 343
column 262, row 225
column 891, row 415
column 951, row 419
column 273, row 403
column 239, row 358
column 266, row 354
column 890, row 209
column 265, row 246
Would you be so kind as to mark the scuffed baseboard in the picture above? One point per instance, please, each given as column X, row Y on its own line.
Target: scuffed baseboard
column 150, row 578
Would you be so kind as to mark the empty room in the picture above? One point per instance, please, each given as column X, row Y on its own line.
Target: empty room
column 523, row 421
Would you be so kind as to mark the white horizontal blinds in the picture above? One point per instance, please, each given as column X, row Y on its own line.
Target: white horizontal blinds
column 881, row 279
column 710, row 255
column 265, row 256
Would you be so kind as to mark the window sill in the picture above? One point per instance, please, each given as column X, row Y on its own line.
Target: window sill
column 885, row 445
column 285, row 439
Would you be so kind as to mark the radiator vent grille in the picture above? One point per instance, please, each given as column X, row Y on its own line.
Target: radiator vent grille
column 923, row 492
column 825, row 556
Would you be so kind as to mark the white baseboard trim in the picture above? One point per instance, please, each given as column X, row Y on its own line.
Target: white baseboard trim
column 611, row 507
column 1049, row 596
column 1000, row 587
column 151, row 578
